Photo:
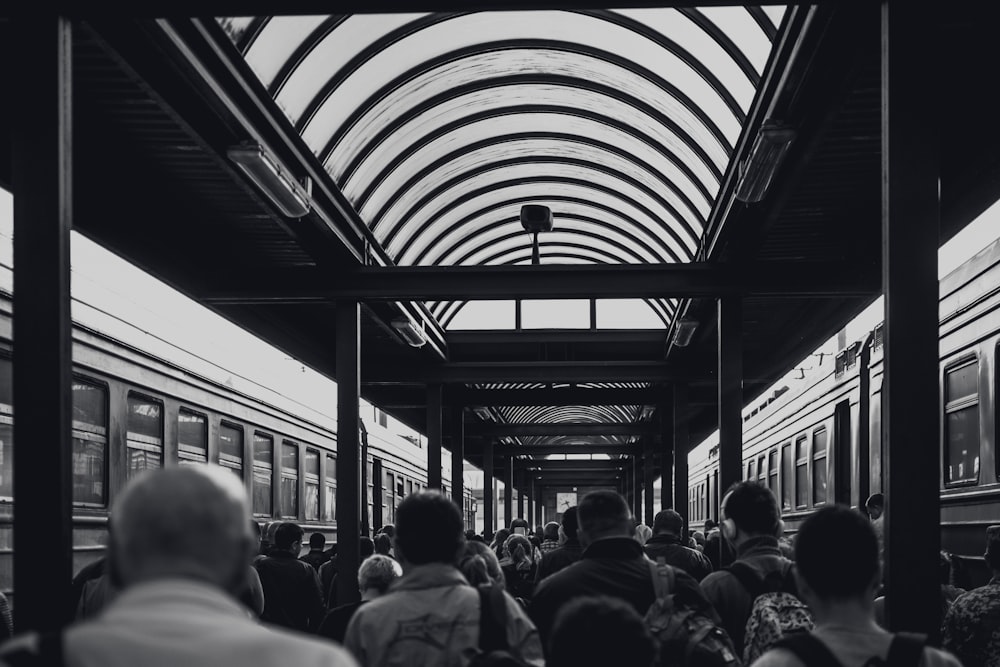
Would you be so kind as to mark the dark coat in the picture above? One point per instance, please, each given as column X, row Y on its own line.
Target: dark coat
column 558, row 559
column 673, row 552
column 315, row 557
column 291, row 592
column 614, row 566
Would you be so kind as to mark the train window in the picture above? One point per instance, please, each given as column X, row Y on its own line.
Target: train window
column 772, row 471
column 263, row 466
column 409, row 486
column 801, row 472
column 761, row 471
column 751, row 471
column 192, row 437
column 312, row 485
column 90, row 443
column 231, row 448
column 962, row 423
column 786, row 476
column 330, row 509
column 144, row 434
column 289, row 480
column 400, row 492
column 819, row 466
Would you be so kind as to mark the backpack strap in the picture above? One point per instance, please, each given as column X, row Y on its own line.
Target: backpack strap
column 492, row 619
column 748, row 578
column 906, row 649
column 808, row 649
column 663, row 579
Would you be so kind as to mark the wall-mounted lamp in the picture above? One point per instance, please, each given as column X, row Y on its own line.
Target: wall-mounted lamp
column 766, row 155
column 411, row 334
column 291, row 198
column 684, row 331
column 482, row 412
column 646, row 413
column 536, row 218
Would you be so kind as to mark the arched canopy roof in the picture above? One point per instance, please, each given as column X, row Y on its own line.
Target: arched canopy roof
column 438, row 127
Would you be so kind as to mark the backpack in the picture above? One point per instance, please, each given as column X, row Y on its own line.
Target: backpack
column 686, row 636
column 906, row 650
column 494, row 650
column 776, row 612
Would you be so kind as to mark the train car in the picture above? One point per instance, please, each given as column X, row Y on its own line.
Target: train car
column 140, row 402
column 822, row 441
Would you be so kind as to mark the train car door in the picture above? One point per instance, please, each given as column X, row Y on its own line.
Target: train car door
column 842, row 453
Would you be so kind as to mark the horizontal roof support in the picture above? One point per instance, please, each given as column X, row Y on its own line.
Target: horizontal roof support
column 487, row 429
column 544, row 371
column 557, row 281
column 563, row 396
column 545, row 450
column 522, row 336
column 586, row 465
column 575, row 477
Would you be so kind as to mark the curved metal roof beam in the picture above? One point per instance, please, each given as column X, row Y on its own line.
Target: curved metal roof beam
column 614, row 148
column 465, row 187
column 476, row 96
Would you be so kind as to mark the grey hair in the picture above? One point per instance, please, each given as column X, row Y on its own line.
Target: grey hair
column 378, row 571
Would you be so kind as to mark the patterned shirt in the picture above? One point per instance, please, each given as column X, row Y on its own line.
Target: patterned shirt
column 549, row 545
column 971, row 629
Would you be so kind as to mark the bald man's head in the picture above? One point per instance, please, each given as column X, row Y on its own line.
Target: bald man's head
column 188, row 521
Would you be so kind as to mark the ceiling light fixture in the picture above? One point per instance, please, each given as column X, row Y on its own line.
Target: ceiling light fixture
column 768, row 152
column 536, row 218
column 291, row 197
column 411, row 334
column 684, row 331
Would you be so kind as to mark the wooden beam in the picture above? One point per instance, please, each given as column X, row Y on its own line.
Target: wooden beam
column 639, row 281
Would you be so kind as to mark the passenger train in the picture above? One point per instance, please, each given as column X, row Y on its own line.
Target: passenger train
column 135, row 409
column 822, row 442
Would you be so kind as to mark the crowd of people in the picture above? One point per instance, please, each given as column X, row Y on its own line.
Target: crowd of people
column 191, row 580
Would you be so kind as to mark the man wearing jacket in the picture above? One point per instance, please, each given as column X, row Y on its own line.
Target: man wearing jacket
column 666, row 543
column 431, row 615
column 752, row 525
column 612, row 564
column 292, row 596
column 567, row 554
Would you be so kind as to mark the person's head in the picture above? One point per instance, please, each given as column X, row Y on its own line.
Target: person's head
column 517, row 548
column 479, row 565
column 643, row 533
column 317, row 541
column 875, row 505
column 749, row 509
column 383, row 544
column 366, row 546
column 699, row 538
column 992, row 554
column 185, row 521
column 836, row 557
column 375, row 575
column 569, row 523
column 599, row 631
column 551, row 531
column 519, row 523
column 710, row 524
column 499, row 538
column 603, row 514
column 288, row 537
column 388, row 529
column 429, row 529
column 668, row 522
column 470, row 535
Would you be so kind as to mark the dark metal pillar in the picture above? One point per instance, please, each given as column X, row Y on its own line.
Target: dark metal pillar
column 666, row 455
column 508, row 490
column 539, row 501
column 647, row 482
column 488, row 527
column 521, row 496
column 529, row 487
column 636, row 487
column 910, row 220
column 434, row 435
column 681, row 446
column 730, row 392
column 458, row 456
column 349, row 461
column 43, row 216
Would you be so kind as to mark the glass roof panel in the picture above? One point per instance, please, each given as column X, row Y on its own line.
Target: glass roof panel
column 555, row 314
column 482, row 315
column 626, row 314
column 438, row 127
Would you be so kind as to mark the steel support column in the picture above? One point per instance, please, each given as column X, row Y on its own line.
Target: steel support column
column 43, row 217
column 488, row 527
column 730, row 393
column 636, row 474
column 434, row 435
column 349, row 461
column 458, row 456
column 529, row 487
column 681, row 436
column 910, row 221
column 521, row 495
column 647, row 483
column 666, row 455
column 508, row 490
